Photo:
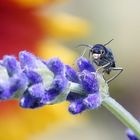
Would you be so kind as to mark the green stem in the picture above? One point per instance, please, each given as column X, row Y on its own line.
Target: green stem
column 122, row 114
column 109, row 103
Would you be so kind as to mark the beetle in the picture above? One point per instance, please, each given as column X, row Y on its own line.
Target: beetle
column 103, row 57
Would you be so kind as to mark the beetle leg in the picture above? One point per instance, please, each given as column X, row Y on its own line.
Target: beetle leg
column 102, row 67
column 119, row 69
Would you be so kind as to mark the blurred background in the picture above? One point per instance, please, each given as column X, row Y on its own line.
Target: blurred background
column 54, row 28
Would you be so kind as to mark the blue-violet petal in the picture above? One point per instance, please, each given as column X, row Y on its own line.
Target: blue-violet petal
column 11, row 64
column 76, row 107
column 92, row 101
column 5, row 91
column 55, row 65
column 89, row 82
column 71, row 74
column 18, row 82
column 33, row 76
column 84, row 64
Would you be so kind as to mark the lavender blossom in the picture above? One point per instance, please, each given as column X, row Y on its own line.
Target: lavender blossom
column 11, row 64
column 32, row 96
column 92, row 101
column 77, row 106
column 71, row 74
column 53, row 80
column 84, row 64
column 28, row 60
column 55, row 65
column 91, row 98
column 89, row 83
column 5, row 91
column 57, row 87
column 18, row 82
column 33, row 76
column 10, row 81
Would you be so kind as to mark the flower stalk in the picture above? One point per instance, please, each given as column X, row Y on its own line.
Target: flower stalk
column 116, row 109
column 122, row 114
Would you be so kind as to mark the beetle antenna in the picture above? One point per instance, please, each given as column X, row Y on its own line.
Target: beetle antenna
column 85, row 50
column 84, row 45
column 108, row 42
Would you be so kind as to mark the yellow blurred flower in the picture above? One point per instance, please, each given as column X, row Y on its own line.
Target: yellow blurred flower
column 65, row 26
column 22, row 28
column 67, row 55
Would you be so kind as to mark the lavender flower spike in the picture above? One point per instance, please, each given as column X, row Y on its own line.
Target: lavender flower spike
column 37, row 82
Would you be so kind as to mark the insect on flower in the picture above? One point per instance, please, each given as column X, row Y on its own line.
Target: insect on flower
column 104, row 58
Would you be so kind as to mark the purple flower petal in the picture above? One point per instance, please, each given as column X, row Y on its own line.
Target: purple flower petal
column 50, row 95
column 37, row 90
column 27, row 59
column 28, row 101
column 33, row 76
column 5, row 92
column 89, row 82
column 84, row 64
column 77, row 107
column 18, row 82
column 59, row 83
column 56, row 66
column 71, row 74
column 92, row 101
column 33, row 96
column 11, row 64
